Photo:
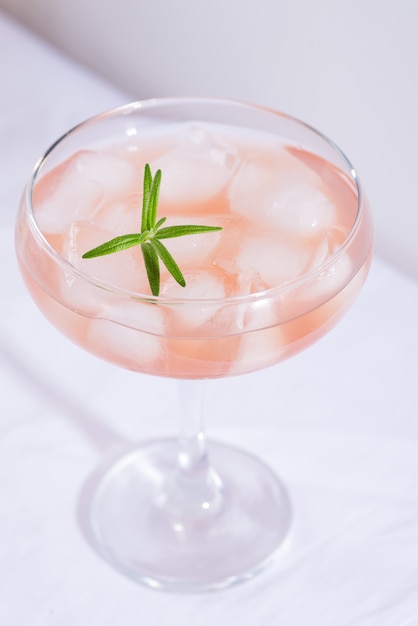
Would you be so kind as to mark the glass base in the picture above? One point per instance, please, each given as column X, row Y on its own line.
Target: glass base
column 155, row 529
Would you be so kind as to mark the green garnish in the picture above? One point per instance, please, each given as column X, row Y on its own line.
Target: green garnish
column 149, row 238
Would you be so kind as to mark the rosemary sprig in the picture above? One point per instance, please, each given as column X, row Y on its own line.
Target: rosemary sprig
column 153, row 250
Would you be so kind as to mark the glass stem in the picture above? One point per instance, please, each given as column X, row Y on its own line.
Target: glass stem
column 193, row 462
column 197, row 489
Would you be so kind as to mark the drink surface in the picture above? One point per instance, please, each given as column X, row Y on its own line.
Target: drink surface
column 274, row 279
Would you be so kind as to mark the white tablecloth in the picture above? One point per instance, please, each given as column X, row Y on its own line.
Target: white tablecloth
column 338, row 422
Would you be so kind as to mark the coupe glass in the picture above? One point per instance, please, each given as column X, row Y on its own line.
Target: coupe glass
column 180, row 514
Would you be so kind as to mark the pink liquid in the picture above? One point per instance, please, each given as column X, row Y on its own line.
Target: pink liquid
column 284, row 213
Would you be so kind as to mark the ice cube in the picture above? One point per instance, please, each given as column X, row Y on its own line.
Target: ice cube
column 197, row 168
column 332, row 279
column 143, row 316
column 73, row 198
column 258, row 349
column 127, row 330
column 200, row 286
column 262, row 338
column 80, row 186
column 113, row 174
column 133, row 348
column 120, row 215
column 261, row 313
column 122, row 270
column 193, row 250
column 274, row 261
column 284, row 192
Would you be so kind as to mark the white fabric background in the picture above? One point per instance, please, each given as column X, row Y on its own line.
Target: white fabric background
column 338, row 422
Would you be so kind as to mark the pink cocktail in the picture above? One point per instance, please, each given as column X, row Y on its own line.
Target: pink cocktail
column 293, row 252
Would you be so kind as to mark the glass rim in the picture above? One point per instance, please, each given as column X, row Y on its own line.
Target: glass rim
column 236, row 299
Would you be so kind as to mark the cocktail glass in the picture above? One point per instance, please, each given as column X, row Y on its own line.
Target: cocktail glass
column 181, row 514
